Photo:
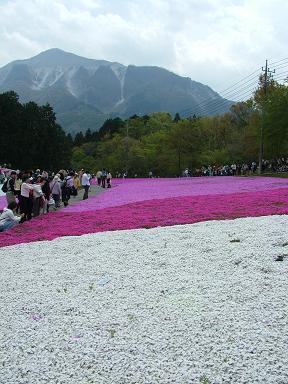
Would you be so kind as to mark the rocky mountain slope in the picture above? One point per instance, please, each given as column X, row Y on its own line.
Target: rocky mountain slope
column 85, row 92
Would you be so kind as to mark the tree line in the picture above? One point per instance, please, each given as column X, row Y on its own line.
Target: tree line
column 31, row 138
column 167, row 145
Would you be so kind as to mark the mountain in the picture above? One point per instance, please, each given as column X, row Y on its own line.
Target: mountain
column 85, row 92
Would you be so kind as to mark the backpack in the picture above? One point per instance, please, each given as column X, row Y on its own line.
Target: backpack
column 5, row 186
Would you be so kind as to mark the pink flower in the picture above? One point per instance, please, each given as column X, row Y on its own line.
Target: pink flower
column 145, row 203
column 35, row 317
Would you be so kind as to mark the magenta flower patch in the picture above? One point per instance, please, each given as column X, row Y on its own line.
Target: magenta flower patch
column 3, row 202
column 146, row 203
column 127, row 191
column 158, row 202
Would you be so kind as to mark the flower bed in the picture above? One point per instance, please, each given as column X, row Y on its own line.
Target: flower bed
column 127, row 191
column 86, row 218
column 203, row 303
column 3, row 202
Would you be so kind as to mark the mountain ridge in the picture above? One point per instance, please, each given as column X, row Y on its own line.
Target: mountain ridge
column 106, row 89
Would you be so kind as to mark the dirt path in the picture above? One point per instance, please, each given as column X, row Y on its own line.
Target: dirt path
column 94, row 190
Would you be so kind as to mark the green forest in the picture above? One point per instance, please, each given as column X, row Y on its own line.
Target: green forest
column 159, row 142
column 30, row 137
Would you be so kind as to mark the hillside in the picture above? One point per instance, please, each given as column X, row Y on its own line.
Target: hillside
column 85, row 92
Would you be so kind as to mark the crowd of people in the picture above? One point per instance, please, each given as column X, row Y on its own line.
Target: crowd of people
column 234, row 169
column 30, row 193
column 104, row 178
column 238, row 169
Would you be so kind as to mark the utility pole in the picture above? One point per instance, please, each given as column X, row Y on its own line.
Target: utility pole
column 127, row 146
column 267, row 72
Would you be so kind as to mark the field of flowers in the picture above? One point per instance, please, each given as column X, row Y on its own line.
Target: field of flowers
column 192, row 303
column 147, row 203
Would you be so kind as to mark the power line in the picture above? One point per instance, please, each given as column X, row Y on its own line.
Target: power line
column 221, row 103
column 281, row 73
column 211, row 102
column 244, row 78
column 232, row 92
column 282, row 66
column 281, row 79
column 243, row 89
column 243, row 98
column 226, row 93
column 239, row 96
column 237, row 90
column 276, row 62
column 217, row 105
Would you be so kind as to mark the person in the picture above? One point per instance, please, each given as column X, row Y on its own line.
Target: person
column 10, row 194
column 98, row 177
column 47, row 194
column 44, row 175
column 103, row 177
column 38, row 196
column 80, row 173
column 85, row 184
column 61, row 175
column 76, row 184
column 109, row 177
column 234, row 169
column 55, row 188
column 37, row 173
column 67, row 188
column 2, row 177
column 26, row 200
column 254, row 166
column 17, row 189
column 8, row 219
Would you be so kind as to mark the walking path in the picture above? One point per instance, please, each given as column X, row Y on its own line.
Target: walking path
column 94, row 190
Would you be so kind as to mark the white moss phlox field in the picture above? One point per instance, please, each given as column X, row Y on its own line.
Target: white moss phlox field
column 198, row 303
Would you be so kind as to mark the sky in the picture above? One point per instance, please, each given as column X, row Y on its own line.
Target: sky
column 215, row 42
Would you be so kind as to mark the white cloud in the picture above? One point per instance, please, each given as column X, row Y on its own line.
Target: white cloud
column 216, row 42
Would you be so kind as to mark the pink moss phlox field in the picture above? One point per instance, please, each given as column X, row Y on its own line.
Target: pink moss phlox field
column 127, row 191
column 3, row 202
column 150, row 213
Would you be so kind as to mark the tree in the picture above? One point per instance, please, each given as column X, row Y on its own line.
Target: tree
column 88, row 135
column 79, row 139
column 272, row 101
column 184, row 140
column 30, row 136
column 110, row 127
column 177, row 118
